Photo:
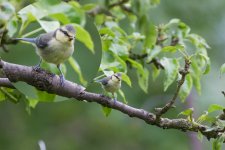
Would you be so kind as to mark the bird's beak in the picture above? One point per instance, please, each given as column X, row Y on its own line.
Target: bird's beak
column 71, row 38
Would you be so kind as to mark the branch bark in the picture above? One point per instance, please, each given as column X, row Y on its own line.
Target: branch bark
column 50, row 83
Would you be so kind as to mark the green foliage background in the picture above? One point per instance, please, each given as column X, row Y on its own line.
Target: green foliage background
column 78, row 125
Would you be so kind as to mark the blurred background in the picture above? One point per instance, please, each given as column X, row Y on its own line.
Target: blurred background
column 78, row 125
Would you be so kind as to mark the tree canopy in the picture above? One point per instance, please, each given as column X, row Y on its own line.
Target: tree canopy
column 165, row 59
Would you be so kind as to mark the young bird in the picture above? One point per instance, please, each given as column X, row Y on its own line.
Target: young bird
column 111, row 83
column 54, row 47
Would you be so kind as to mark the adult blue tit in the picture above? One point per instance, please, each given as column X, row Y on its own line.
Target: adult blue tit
column 54, row 47
column 111, row 83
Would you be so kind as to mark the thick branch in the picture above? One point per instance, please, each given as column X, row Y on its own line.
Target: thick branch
column 184, row 72
column 50, row 83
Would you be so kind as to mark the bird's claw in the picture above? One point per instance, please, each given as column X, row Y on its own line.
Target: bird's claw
column 37, row 67
column 102, row 95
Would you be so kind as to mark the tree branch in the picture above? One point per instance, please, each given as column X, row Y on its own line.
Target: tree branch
column 119, row 3
column 50, row 83
column 4, row 82
column 157, row 63
column 184, row 72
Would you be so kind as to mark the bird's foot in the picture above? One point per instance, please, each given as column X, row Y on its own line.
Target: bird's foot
column 62, row 80
column 102, row 95
column 37, row 67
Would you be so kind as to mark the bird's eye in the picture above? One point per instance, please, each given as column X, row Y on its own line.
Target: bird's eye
column 65, row 33
column 117, row 77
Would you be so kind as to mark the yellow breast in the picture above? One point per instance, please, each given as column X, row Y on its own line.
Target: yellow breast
column 57, row 52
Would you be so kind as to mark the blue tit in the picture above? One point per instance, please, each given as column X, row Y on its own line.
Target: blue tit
column 54, row 47
column 111, row 83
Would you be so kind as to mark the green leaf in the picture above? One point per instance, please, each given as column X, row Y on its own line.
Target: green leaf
column 106, row 31
column 172, row 22
column 31, row 9
column 119, row 49
column 171, row 70
column 88, row 6
column 215, row 107
column 200, row 136
column 217, row 143
column 49, row 3
column 126, row 79
column 26, row 20
column 203, row 117
column 155, row 72
column 8, row 93
column 123, row 65
column 106, row 110
column 155, row 2
column 143, row 79
column 151, row 36
column 207, row 62
column 12, row 26
column 153, row 53
column 32, row 102
column 197, row 40
column 136, row 36
column 195, row 72
column 7, row 11
column 187, row 112
column 2, row 96
column 123, row 96
column 222, row 69
column 45, row 97
column 83, row 36
column 186, row 88
column 142, row 74
column 172, row 49
column 77, row 69
column 49, row 26
column 61, row 17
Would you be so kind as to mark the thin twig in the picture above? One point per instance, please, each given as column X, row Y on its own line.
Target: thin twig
column 157, row 63
column 223, row 93
column 119, row 3
column 137, row 56
column 184, row 72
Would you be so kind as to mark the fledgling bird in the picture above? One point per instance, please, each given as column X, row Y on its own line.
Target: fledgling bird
column 111, row 83
column 54, row 47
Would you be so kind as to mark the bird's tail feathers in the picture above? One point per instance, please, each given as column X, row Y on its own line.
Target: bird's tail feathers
column 98, row 81
column 31, row 40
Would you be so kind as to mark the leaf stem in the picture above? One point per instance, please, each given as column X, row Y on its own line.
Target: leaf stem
column 10, row 96
column 32, row 32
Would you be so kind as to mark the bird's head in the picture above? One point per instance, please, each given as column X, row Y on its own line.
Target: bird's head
column 116, row 77
column 66, row 34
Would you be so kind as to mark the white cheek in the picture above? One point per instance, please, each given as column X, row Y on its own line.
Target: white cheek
column 61, row 37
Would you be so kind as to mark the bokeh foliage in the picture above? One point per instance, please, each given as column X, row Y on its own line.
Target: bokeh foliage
column 131, row 42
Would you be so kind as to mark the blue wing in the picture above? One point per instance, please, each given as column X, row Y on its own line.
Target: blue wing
column 43, row 40
column 104, row 81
